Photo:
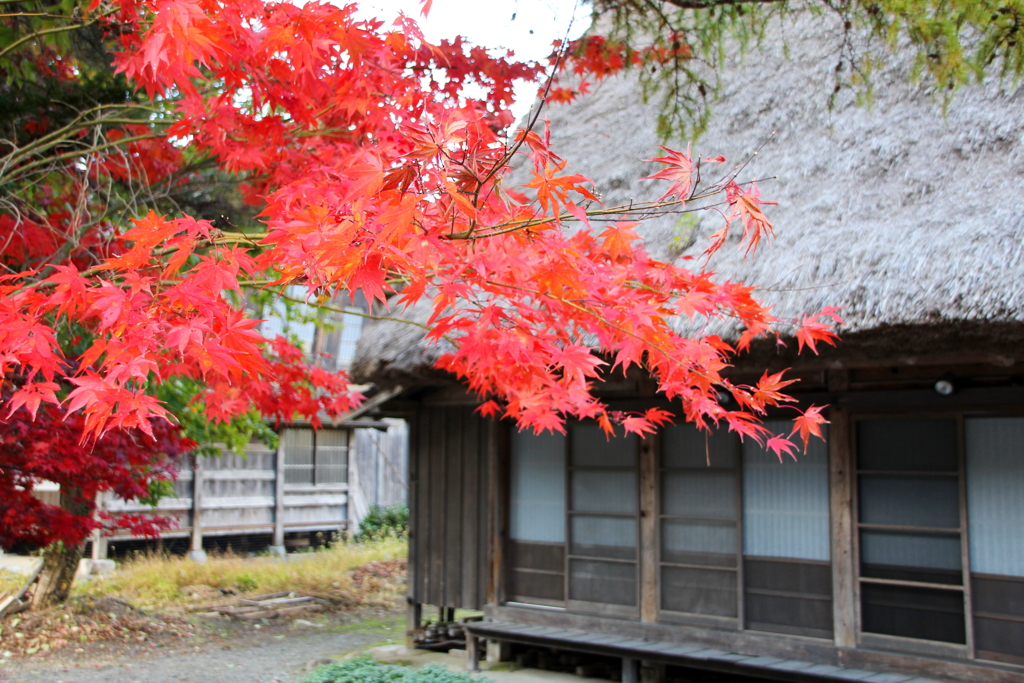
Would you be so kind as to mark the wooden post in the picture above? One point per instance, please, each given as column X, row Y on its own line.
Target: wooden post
column 278, row 543
column 965, row 551
column 100, row 545
column 413, row 618
column 495, row 512
column 844, row 608
column 630, row 670
column 649, row 529
column 196, row 551
column 499, row 651
column 356, row 499
column 472, row 652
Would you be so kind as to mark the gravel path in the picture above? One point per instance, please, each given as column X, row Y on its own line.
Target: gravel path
column 267, row 658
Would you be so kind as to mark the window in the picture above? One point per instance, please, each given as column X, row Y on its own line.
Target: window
column 574, row 528
column 910, row 532
column 315, row 457
column 536, row 547
column 940, row 510
column 699, row 522
column 744, row 541
column 994, row 450
column 303, row 332
column 338, row 344
column 573, row 520
column 329, row 336
column 787, row 575
column 603, row 521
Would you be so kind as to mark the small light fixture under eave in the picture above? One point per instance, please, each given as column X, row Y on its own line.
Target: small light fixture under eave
column 945, row 387
column 724, row 397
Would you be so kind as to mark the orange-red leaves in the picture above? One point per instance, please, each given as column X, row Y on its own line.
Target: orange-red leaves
column 809, row 423
column 768, row 390
column 638, row 425
column 576, row 362
column 618, row 238
column 380, row 164
column 814, row 329
column 553, row 190
column 680, row 172
column 31, row 395
column 745, row 424
column 780, row 445
column 370, row 281
column 745, row 207
column 658, row 416
column 489, row 409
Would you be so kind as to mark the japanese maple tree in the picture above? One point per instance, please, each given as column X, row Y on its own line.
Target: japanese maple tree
column 380, row 164
column 48, row 447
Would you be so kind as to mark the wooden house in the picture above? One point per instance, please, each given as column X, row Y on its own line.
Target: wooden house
column 892, row 550
column 315, row 484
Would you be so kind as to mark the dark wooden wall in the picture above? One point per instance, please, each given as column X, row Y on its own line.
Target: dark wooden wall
column 450, row 456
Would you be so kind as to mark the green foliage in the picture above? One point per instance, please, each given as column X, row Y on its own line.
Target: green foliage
column 178, row 395
column 953, row 42
column 684, row 234
column 365, row 670
column 246, row 582
column 158, row 489
column 391, row 521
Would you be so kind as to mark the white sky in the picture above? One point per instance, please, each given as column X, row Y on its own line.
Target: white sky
column 537, row 24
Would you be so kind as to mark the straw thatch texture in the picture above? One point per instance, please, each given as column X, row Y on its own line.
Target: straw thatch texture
column 907, row 218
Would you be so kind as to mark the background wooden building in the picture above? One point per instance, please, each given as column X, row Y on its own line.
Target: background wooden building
column 313, row 486
column 897, row 545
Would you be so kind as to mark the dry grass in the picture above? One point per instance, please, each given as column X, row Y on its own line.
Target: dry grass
column 10, row 582
column 159, row 580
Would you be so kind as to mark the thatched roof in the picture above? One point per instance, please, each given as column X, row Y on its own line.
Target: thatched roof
column 908, row 218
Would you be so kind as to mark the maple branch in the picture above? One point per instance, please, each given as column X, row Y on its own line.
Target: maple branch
column 643, row 209
column 74, row 125
column 739, row 169
column 600, row 318
column 12, row 15
column 508, row 156
column 710, row 4
column 240, row 237
column 335, row 309
column 37, row 148
column 51, row 31
column 21, row 172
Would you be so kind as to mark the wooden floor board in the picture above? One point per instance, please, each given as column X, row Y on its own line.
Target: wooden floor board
column 675, row 653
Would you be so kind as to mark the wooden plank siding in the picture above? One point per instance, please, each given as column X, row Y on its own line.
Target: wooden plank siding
column 461, row 555
column 449, row 540
column 249, row 494
column 378, row 468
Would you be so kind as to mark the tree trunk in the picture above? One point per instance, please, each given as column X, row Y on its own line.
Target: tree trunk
column 60, row 561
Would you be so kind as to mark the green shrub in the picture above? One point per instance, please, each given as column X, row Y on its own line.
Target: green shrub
column 384, row 522
column 246, row 582
column 365, row 670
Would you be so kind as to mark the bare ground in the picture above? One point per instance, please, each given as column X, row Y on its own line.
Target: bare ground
column 213, row 651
